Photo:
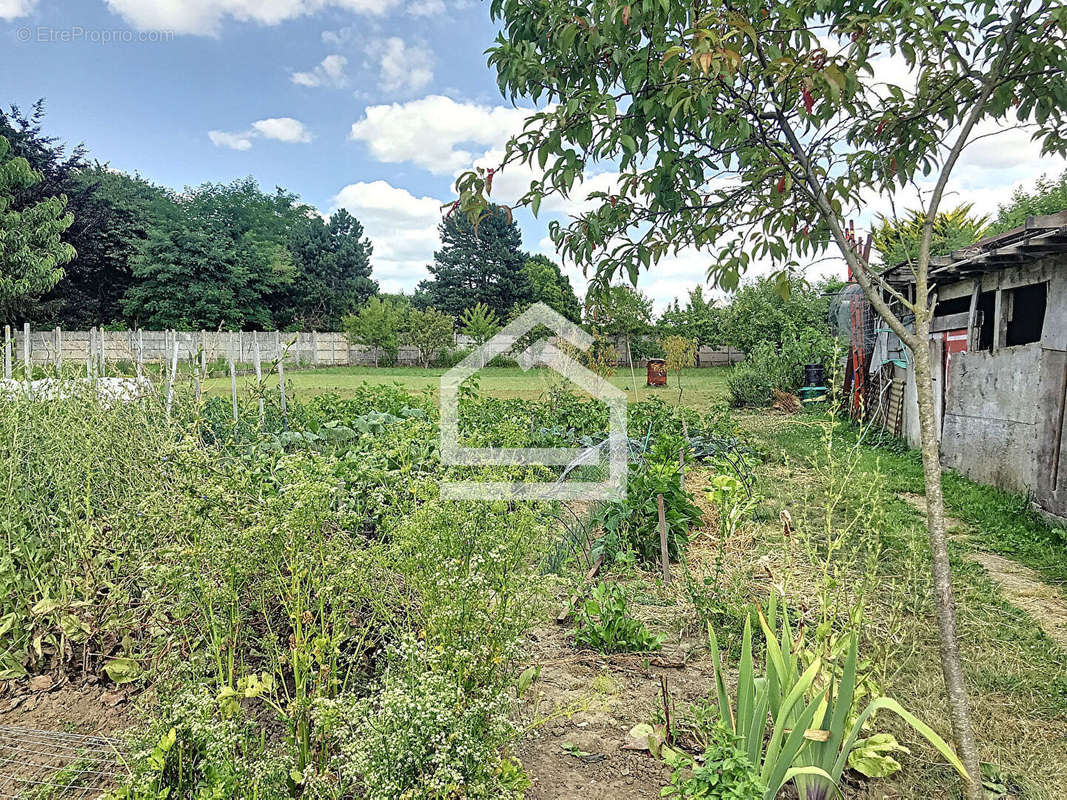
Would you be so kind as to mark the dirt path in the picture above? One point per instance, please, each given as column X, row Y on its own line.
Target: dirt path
column 581, row 709
column 1021, row 586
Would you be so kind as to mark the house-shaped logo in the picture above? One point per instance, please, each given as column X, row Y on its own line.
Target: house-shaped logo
column 542, row 353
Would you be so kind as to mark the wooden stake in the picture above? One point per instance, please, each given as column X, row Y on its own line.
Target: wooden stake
column 258, row 364
column 281, row 392
column 233, row 387
column 173, row 374
column 663, row 552
column 203, row 354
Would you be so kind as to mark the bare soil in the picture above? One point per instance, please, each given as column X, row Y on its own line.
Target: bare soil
column 588, row 702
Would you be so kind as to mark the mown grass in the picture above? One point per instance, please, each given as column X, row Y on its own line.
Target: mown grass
column 1016, row 676
column 702, row 389
column 995, row 520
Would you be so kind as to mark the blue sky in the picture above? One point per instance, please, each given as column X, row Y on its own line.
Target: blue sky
column 370, row 104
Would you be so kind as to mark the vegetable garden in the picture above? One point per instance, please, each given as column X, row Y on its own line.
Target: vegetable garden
column 290, row 610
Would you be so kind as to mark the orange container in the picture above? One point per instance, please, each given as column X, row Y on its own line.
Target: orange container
column 657, row 372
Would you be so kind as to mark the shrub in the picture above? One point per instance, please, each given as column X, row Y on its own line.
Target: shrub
column 420, row 734
column 768, row 367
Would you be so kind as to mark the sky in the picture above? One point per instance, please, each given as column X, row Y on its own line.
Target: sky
column 370, row 105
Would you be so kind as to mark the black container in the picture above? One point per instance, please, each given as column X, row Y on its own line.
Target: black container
column 814, row 375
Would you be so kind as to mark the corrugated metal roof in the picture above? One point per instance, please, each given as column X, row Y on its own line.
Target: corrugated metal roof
column 1039, row 237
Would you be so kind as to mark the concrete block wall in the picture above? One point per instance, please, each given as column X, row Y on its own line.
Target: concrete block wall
column 315, row 349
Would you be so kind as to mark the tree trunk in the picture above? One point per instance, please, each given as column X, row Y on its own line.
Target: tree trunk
column 944, row 601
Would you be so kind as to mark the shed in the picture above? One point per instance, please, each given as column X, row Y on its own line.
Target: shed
column 998, row 347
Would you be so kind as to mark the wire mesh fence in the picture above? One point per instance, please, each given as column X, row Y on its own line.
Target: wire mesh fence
column 52, row 765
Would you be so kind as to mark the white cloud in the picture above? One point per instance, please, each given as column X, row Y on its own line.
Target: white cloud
column 205, row 16
column 402, row 67
column 431, row 132
column 329, row 72
column 282, row 129
column 402, row 227
column 13, row 9
column 234, row 141
column 426, row 8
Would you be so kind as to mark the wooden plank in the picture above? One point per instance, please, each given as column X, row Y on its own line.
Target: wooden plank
column 663, row 551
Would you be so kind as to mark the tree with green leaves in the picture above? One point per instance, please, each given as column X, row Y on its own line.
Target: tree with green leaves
column 480, row 323
column 550, row 286
column 1049, row 196
column 477, row 265
column 896, row 239
column 761, row 312
column 377, row 325
column 220, row 257
column 331, row 259
column 755, row 129
column 701, row 319
column 431, row 331
column 32, row 251
column 620, row 311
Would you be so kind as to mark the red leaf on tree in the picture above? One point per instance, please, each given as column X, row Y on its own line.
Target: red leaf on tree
column 781, row 184
column 809, row 100
column 626, row 15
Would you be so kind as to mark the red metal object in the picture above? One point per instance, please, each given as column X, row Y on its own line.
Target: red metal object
column 657, row 372
column 955, row 342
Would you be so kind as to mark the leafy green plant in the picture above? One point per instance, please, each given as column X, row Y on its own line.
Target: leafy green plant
column 607, row 626
column 768, row 367
column 634, row 522
column 724, row 772
column 810, row 713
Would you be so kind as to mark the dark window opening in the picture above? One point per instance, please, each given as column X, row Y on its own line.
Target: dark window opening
column 1025, row 312
column 986, row 319
column 958, row 305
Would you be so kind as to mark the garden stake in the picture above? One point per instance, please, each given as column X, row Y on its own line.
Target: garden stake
column 281, row 392
column 173, row 373
column 59, row 351
column 26, row 350
column 233, row 387
column 7, row 352
column 664, row 556
column 259, row 376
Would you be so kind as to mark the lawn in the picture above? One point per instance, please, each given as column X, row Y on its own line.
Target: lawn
column 702, row 389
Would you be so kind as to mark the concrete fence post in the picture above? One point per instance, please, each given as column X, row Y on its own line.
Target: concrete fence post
column 26, row 349
column 7, row 352
column 90, row 353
